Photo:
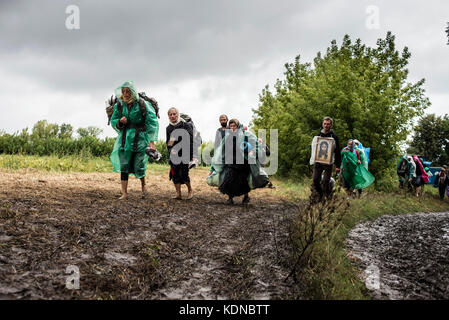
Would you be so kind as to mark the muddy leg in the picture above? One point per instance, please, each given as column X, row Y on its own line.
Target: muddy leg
column 124, row 189
column 143, row 184
column 190, row 191
column 178, row 191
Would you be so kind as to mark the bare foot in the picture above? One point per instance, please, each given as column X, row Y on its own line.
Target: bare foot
column 144, row 195
column 177, row 197
column 190, row 195
column 123, row 197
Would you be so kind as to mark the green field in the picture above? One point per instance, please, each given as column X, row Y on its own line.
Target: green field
column 63, row 164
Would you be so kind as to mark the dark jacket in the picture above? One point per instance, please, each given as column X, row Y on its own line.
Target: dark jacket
column 181, row 125
column 337, row 154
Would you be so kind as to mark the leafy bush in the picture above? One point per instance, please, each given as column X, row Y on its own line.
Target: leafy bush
column 365, row 90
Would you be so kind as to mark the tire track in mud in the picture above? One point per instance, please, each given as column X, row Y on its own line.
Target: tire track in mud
column 157, row 248
column 404, row 256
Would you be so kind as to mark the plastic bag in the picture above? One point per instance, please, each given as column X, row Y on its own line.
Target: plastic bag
column 258, row 177
column 214, row 179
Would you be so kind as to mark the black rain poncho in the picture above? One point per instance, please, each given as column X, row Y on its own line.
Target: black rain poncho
column 245, row 142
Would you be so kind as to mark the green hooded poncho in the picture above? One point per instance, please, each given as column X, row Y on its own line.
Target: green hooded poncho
column 257, row 177
column 355, row 174
column 127, row 159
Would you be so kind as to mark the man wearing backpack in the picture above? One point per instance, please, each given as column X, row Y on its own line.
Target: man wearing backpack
column 136, row 122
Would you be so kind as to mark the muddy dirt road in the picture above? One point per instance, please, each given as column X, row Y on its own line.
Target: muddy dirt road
column 405, row 256
column 157, row 248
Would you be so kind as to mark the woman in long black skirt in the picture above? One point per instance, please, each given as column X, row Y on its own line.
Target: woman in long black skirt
column 236, row 167
column 177, row 140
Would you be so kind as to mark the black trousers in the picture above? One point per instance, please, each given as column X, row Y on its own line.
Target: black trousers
column 442, row 190
column 317, row 172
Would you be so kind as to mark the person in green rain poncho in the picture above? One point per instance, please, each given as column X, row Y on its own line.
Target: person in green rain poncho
column 355, row 175
column 363, row 160
column 136, row 122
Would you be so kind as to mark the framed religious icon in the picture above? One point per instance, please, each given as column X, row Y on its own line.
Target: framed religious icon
column 323, row 150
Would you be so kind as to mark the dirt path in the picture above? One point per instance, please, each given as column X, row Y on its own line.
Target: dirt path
column 405, row 256
column 157, row 248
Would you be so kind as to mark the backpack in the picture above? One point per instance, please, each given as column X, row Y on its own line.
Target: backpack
column 197, row 140
column 142, row 96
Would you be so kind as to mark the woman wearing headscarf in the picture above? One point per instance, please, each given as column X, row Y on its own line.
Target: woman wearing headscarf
column 235, row 169
column 136, row 122
column 179, row 137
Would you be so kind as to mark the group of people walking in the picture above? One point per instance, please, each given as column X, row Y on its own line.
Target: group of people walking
column 235, row 164
column 236, row 167
column 413, row 175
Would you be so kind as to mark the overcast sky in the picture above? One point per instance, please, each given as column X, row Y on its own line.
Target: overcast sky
column 204, row 57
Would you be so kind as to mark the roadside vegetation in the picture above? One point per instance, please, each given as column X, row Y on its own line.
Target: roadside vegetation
column 327, row 271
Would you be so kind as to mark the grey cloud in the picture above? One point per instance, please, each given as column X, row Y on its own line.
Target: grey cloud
column 167, row 43
column 154, row 41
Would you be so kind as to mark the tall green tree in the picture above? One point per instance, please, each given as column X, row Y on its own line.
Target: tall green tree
column 365, row 90
column 431, row 139
column 90, row 131
column 65, row 131
column 44, row 130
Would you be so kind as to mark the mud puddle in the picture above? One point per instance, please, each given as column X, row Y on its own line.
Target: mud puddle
column 403, row 256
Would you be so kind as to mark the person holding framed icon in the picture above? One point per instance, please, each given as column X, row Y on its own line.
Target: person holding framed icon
column 325, row 153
